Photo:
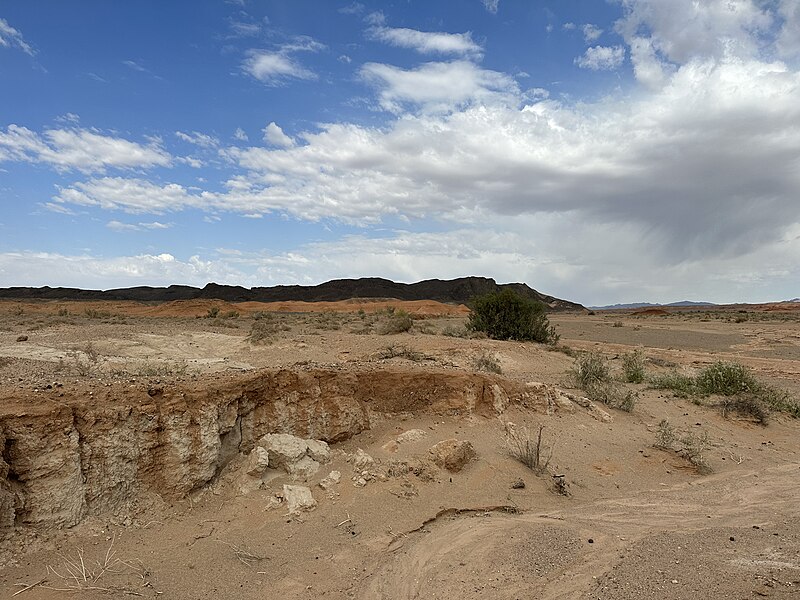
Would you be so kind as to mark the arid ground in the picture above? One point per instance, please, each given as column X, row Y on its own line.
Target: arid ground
column 127, row 426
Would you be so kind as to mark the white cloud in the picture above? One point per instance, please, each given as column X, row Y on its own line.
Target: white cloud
column 12, row 38
column 569, row 26
column 131, row 195
column 120, row 226
column 244, row 29
column 665, row 34
column 274, row 67
column 345, row 59
column 81, row 149
column 156, row 225
column 591, row 32
column 240, row 135
column 355, row 8
column 132, row 64
column 376, row 19
column 428, row 42
column 602, row 58
column 788, row 42
column 198, row 139
column 275, row 136
column 437, row 86
column 491, row 5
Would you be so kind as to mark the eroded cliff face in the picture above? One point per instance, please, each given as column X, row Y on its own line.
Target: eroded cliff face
column 70, row 457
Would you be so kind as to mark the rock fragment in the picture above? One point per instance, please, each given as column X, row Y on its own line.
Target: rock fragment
column 298, row 498
column 452, row 454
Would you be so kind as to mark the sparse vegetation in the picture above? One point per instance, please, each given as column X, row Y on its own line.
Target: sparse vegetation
column 488, row 362
column 212, row 312
column 592, row 373
column 263, row 331
column 401, row 351
column 523, row 447
column 687, row 444
column 507, row 315
column 751, row 397
column 633, row 366
column 395, row 321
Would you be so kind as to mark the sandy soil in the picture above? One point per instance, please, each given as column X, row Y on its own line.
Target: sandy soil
column 639, row 522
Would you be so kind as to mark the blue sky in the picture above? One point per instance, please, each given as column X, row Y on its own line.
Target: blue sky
column 598, row 151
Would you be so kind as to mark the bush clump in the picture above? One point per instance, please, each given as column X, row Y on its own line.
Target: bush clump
column 507, row 315
column 633, row 366
column 592, row 373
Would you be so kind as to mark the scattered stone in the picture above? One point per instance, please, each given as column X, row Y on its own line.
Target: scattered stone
column 519, row 484
column 319, row 451
column 332, row 479
column 359, row 482
column 453, row 454
column 411, row 436
column 298, row 498
column 22, row 338
column 362, row 460
column 303, row 469
column 257, row 462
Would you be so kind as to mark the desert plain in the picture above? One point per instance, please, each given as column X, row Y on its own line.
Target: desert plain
column 130, row 433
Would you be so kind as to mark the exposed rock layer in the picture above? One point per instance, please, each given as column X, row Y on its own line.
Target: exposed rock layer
column 64, row 458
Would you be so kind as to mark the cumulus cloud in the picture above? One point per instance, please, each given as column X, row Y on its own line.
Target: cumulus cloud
column 80, row 149
column 437, row 86
column 674, row 33
column 12, row 38
column 275, row 136
column 240, row 135
column 591, row 32
column 428, row 42
column 602, row 58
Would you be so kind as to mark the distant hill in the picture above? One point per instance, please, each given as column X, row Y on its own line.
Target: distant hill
column 650, row 304
column 455, row 290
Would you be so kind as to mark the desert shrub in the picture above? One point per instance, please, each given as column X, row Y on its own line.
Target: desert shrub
column 506, row 315
column 521, row 445
column 681, row 385
column 612, row 394
column 401, row 351
column 262, row 332
column 687, row 444
column 590, row 368
column 231, row 314
column 747, row 406
column 63, row 312
column 726, row 379
column 212, row 312
column 633, row 366
column 397, row 321
column 617, row 324
column 489, row 363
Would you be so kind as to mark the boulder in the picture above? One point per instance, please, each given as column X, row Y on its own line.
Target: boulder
column 452, row 454
column 319, row 451
column 303, row 469
column 298, row 498
column 257, row 462
column 284, row 449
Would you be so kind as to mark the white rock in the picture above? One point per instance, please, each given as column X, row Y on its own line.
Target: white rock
column 411, row 436
column 332, row 479
column 360, row 482
column 319, row 451
column 362, row 460
column 298, row 498
column 303, row 469
column 284, row 449
column 257, row 462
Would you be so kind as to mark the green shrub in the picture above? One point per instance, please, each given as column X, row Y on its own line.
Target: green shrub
column 397, row 321
column 506, row 315
column 681, row 385
column 633, row 366
column 590, row 368
column 726, row 379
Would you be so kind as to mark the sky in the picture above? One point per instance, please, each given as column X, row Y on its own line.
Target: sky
column 600, row 151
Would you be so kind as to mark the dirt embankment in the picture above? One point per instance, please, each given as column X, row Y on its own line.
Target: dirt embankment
column 69, row 457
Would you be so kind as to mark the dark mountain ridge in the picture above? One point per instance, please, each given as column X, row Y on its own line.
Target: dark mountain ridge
column 454, row 290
